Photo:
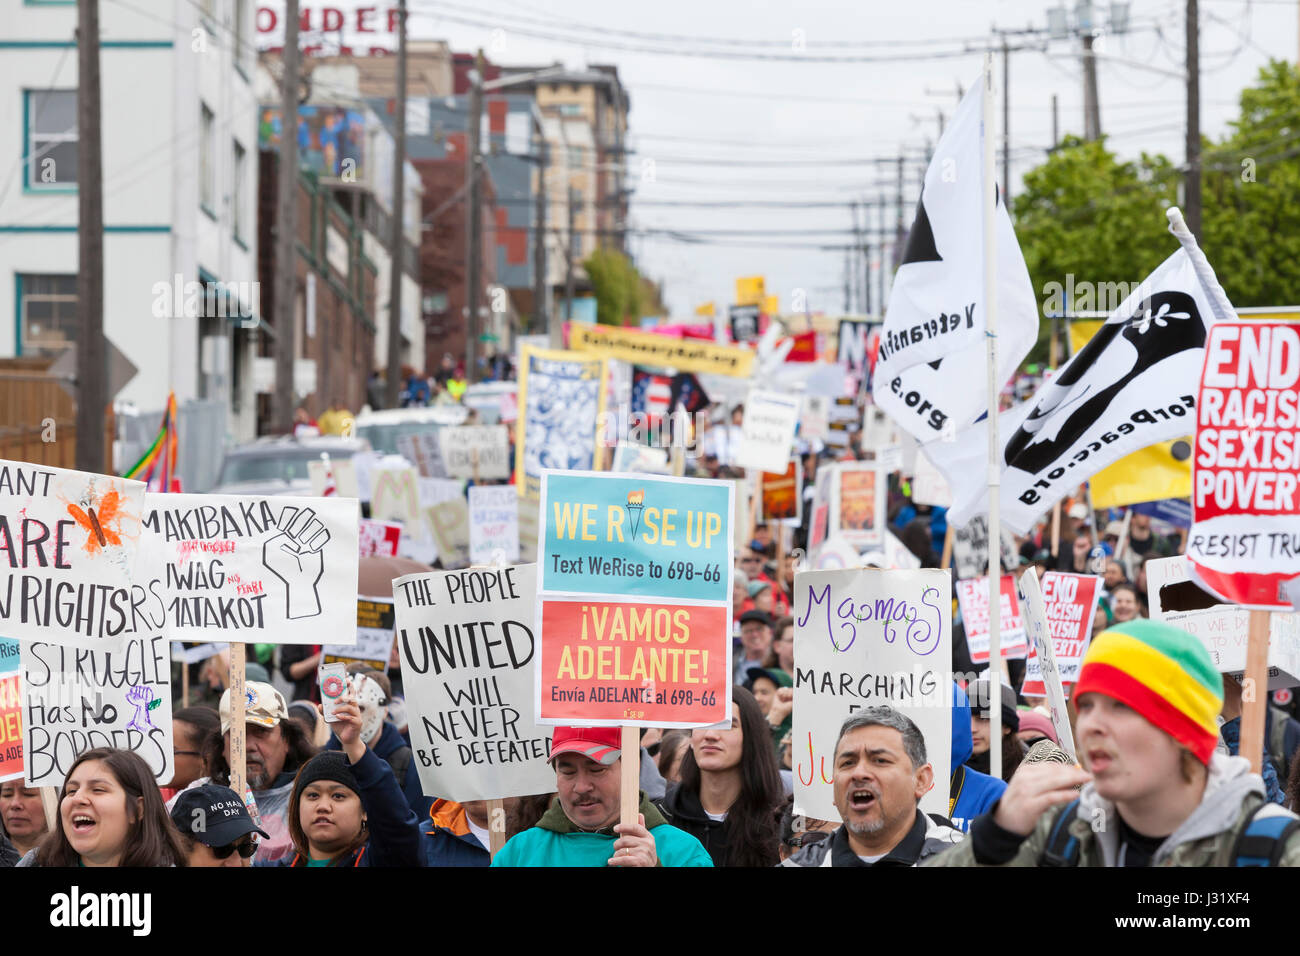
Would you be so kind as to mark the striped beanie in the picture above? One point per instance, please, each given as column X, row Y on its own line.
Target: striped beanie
column 1162, row 673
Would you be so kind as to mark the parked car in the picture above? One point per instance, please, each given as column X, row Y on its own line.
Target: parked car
column 277, row 465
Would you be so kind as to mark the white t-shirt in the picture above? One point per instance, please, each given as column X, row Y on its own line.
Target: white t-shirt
column 871, row 859
column 717, row 817
column 480, row 833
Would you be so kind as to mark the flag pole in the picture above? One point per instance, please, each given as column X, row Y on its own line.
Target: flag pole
column 1223, row 310
column 989, row 204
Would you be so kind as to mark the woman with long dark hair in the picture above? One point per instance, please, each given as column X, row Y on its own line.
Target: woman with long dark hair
column 110, row 814
column 730, row 788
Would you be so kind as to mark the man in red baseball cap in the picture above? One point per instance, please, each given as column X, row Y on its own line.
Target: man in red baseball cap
column 581, row 828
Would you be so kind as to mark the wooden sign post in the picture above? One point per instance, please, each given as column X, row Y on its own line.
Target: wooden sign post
column 1255, row 690
column 630, row 781
column 496, row 814
column 238, row 728
column 50, row 804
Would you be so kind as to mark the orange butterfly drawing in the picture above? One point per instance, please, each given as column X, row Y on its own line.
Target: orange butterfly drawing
column 99, row 526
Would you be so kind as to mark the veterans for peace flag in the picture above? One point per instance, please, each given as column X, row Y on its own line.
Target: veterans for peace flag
column 931, row 374
column 1132, row 385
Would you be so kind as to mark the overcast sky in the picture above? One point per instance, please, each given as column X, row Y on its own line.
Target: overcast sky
column 686, row 107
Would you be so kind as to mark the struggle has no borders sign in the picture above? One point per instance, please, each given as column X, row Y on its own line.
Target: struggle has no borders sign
column 634, row 600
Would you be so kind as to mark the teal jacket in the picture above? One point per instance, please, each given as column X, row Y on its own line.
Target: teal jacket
column 555, row 841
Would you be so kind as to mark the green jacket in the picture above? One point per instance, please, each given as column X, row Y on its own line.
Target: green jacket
column 555, row 841
column 1206, row 838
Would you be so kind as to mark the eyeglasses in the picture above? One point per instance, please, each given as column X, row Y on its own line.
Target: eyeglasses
column 188, row 753
column 245, row 848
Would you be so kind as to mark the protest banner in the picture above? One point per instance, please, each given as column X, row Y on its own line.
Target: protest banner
column 11, row 711
column 1223, row 629
column 1042, row 679
column 1069, row 605
column 750, row 290
column 973, row 599
column 395, row 496
column 768, row 430
column 479, row 452
column 561, row 407
column 424, row 451
column 374, row 643
column 857, row 499
column 273, row 570
column 466, row 639
column 648, row 348
column 449, row 522
column 783, row 494
column 864, row 637
column 493, row 524
column 970, row 548
column 75, row 700
column 743, row 321
column 378, row 538
column 333, row 476
column 634, row 601
column 69, row 541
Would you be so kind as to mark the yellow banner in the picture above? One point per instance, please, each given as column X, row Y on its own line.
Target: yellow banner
column 647, row 348
column 561, row 399
column 750, row 290
column 706, row 309
column 771, row 305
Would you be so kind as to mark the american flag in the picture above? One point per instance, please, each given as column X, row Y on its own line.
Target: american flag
column 651, row 393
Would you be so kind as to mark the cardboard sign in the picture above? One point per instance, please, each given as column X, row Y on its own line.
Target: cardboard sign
column 374, row 644
column 858, row 503
column 76, row 700
column 424, row 451
column 466, row 640
column 1223, row 628
column 862, row 638
column 1042, row 678
column 11, row 712
column 561, row 404
column 973, row 599
column 449, row 522
column 395, row 495
column 783, row 495
column 1243, row 545
column 488, row 445
column 68, row 547
column 337, row 474
column 970, row 549
column 634, row 600
column 270, row 570
column 378, row 538
column 493, row 524
column 1069, row 605
column 767, row 432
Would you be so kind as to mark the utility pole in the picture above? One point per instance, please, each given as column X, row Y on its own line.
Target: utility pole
column 286, row 231
column 541, row 316
column 898, row 225
column 92, row 366
column 473, row 232
column 1192, row 182
column 397, row 244
column 848, row 281
column 1056, row 135
column 569, row 254
column 866, row 257
column 1091, row 108
column 1006, row 123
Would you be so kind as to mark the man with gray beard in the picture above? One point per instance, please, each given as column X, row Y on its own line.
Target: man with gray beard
column 881, row 773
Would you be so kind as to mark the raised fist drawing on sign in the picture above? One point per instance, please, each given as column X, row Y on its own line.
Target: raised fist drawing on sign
column 295, row 555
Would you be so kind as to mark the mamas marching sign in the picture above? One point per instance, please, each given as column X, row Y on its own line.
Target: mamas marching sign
column 68, row 547
column 1042, row 679
column 11, row 712
column 374, row 644
column 493, row 524
column 256, row 569
column 467, row 661
column 1069, row 604
column 857, row 499
column 634, row 600
column 1244, row 545
column 561, row 409
column 480, row 452
column 768, row 430
column 864, row 637
column 973, row 599
column 76, row 700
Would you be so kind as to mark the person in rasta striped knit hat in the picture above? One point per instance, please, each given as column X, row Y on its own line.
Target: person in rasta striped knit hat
column 1155, row 791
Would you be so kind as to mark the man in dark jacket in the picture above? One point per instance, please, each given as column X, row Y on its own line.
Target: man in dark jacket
column 450, row 838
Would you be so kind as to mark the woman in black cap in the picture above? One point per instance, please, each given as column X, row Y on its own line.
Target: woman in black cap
column 347, row 809
column 215, row 826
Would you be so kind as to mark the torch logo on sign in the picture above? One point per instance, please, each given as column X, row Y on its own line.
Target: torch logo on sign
column 635, row 504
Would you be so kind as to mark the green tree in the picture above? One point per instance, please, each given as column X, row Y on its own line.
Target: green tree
column 617, row 284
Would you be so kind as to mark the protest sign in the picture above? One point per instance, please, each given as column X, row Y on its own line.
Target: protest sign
column 858, row 503
column 1246, row 470
column 1069, row 605
column 449, row 522
column 75, row 700
column 852, row 344
column 374, row 644
column 466, row 640
column 929, row 487
column 662, row 351
column 973, row 599
column 561, row 404
column 11, row 712
column 333, row 476
column 865, row 637
column 1042, row 679
column 815, row 417
column 783, row 494
column 743, row 320
column 835, row 554
column 641, row 459
column 479, row 452
column 970, row 548
column 424, row 451
column 528, row 528
column 767, row 430
column 634, row 600
column 196, row 653
column 1222, row 628
column 275, row 570
column 378, row 538
column 395, row 496
column 493, row 524
column 68, row 547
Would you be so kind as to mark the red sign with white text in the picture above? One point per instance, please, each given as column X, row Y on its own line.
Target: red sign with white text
column 973, row 599
column 1244, row 545
column 1071, row 604
column 11, row 728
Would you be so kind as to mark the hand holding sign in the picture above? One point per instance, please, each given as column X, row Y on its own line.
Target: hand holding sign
column 634, row 846
column 295, row 555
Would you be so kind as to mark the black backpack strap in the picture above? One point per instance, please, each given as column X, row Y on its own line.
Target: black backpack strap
column 1062, row 847
column 1263, row 840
